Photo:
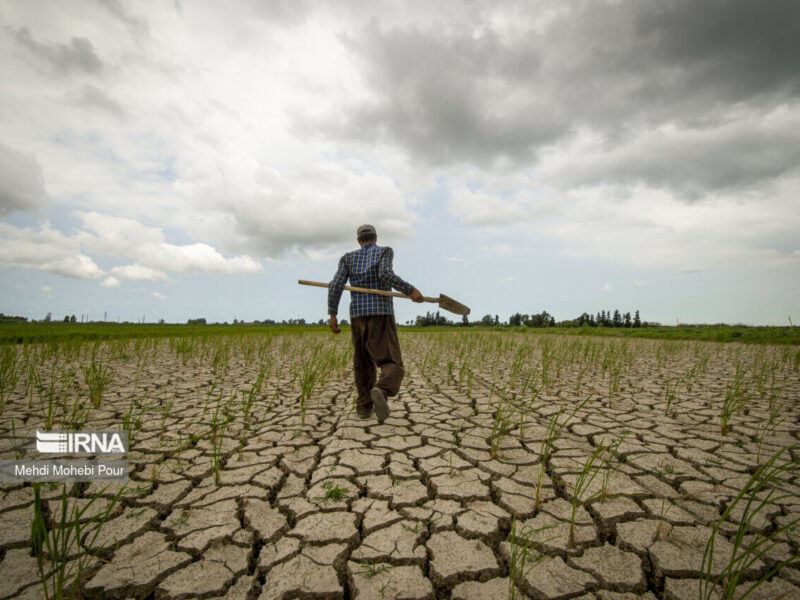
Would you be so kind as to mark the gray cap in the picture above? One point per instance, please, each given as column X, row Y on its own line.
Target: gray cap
column 366, row 231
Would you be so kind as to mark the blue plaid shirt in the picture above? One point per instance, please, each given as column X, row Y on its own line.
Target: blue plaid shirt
column 369, row 267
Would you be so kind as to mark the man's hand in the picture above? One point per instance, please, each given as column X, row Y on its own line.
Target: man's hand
column 333, row 323
column 416, row 296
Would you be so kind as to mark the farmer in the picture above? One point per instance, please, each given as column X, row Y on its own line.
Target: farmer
column 372, row 321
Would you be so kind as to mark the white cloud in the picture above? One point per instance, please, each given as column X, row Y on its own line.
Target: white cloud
column 117, row 236
column 606, row 288
column 640, row 283
column 46, row 288
column 195, row 258
column 110, row 282
column 506, row 279
column 128, row 238
column 480, row 208
column 45, row 250
column 159, row 296
column 137, row 272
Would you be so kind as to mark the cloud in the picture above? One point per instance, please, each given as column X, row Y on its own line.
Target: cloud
column 137, row 272
column 110, row 282
column 606, row 288
column 45, row 250
column 494, row 83
column 691, row 162
column 46, row 288
column 640, row 283
column 92, row 98
column 304, row 211
column 652, row 229
column 159, row 296
column 480, row 208
column 21, row 182
column 128, row 238
column 76, row 56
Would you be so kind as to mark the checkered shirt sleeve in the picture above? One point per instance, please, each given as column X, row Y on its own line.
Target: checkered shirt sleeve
column 368, row 267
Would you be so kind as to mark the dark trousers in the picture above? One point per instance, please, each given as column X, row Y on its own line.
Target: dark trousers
column 375, row 344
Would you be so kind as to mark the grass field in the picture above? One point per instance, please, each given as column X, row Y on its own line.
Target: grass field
column 26, row 333
column 513, row 465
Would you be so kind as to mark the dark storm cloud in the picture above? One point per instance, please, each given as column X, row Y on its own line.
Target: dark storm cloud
column 21, row 182
column 738, row 48
column 78, row 55
column 466, row 91
column 450, row 97
column 691, row 163
column 91, row 98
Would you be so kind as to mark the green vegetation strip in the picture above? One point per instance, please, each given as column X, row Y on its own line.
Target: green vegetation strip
column 704, row 333
column 26, row 333
column 31, row 333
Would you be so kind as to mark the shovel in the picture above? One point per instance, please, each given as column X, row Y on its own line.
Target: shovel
column 445, row 302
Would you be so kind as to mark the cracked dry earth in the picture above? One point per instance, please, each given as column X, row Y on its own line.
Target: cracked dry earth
column 418, row 508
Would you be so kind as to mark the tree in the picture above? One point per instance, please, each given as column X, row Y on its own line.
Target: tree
column 487, row 320
column 637, row 322
column 464, row 321
column 73, row 319
column 552, row 321
column 627, row 319
column 496, row 320
column 66, row 319
column 49, row 317
column 617, row 320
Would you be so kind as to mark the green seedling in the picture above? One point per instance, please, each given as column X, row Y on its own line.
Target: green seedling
column 525, row 554
column 166, row 409
column 607, row 468
column 670, row 393
column 737, row 396
column 219, row 423
column 501, row 425
column 582, row 482
column 60, row 556
column 750, row 544
column 77, row 417
column 768, row 429
column 96, row 375
column 373, row 568
column 333, row 492
column 9, row 372
column 133, row 418
column 554, row 429
column 18, row 449
column 249, row 397
column 33, row 383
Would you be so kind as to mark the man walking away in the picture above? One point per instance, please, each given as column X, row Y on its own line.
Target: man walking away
column 372, row 323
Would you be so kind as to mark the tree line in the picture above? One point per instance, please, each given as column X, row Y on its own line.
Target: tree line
column 543, row 319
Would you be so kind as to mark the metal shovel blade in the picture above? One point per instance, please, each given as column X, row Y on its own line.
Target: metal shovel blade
column 447, row 303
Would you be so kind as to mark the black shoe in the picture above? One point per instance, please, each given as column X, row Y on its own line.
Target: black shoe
column 364, row 412
column 381, row 406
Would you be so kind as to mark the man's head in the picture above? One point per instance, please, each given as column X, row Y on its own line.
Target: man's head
column 366, row 234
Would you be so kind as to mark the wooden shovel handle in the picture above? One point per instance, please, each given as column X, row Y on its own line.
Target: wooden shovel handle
column 366, row 290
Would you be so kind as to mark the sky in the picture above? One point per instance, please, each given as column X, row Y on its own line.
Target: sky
column 194, row 159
